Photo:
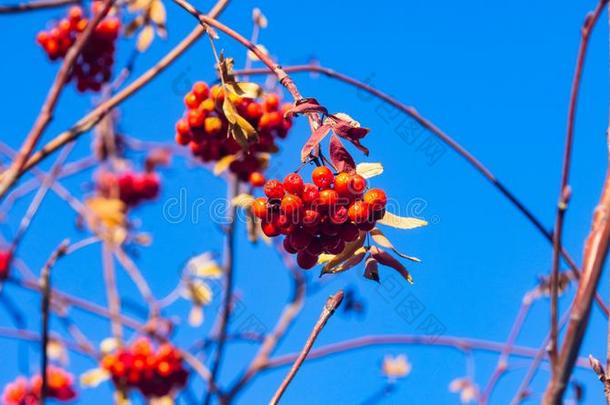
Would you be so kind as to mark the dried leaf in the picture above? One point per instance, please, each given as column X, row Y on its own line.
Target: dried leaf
column 348, row 251
column 341, row 158
column 243, row 200
column 204, row 265
column 386, row 259
column 351, row 261
column 368, row 170
column 371, row 269
column 196, row 316
column 93, row 377
column 346, row 127
column 225, row 68
column 396, row 367
column 166, row 400
column 259, row 18
column 305, row 106
column 223, row 164
column 108, row 345
column 242, row 131
column 138, row 5
column 57, row 351
column 133, row 26
column 396, row 221
column 145, row 38
column 109, row 212
column 318, row 135
column 244, row 89
column 198, row 292
column 383, row 241
column 157, row 12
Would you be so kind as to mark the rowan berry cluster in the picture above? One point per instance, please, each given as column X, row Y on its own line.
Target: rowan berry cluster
column 320, row 217
column 6, row 256
column 28, row 392
column 155, row 373
column 130, row 187
column 204, row 127
column 94, row 64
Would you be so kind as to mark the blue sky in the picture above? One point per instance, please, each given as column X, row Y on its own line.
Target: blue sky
column 494, row 75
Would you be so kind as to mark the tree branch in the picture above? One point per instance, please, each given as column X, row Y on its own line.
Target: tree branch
column 35, row 5
column 331, row 305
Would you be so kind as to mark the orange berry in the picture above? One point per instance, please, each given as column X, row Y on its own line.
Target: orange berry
column 254, row 111
column 274, row 189
column 328, row 198
column 259, row 208
column 191, row 100
column 257, row 179
column 207, row 105
column 201, row 90
column 322, row 177
column 291, row 204
column 212, row 125
column 293, row 183
column 342, row 181
column 272, row 102
column 195, row 118
column 358, row 211
column 376, row 198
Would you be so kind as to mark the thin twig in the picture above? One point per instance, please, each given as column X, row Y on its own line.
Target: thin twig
column 112, row 294
column 35, row 5
column 228, row 264
column 45, row 280
column 286, row 319
column 331, row 305
column 46, row 113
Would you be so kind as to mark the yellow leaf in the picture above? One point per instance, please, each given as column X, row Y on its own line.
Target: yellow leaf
column 204, row 266
column 199, row 292
column 348, row 252
column 196, row 315
column 351, row 261
column 244, row 89
column 109, row 212
column 57, row 351
column 157, row 12
column 243, row 200
column 239, row 127
column 108, row 345
column 396, row 221
column 223, row 164
column 166, row 400
column 138, row 5
column 145, row 38
column 383, row 241
column 93, row 377
column 368, row 170
column 132, row 27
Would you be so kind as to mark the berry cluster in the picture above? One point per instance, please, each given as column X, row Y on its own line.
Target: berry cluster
column 204, row 127
column 131, row 188
column 153, row 373
column 94, row 65
column 24, row 392
column 5, row 261
column 320, row 217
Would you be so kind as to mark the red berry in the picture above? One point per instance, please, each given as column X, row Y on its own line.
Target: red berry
column 201, row 90
column 315, row 247
column 288, row 246
column 259, row 208
column 358, row 211
column 322, row 177
column 306, row 260
column 191, row 101
column 274, row 189
column 342, row 181
column 254, row 111
column 257, row 179
column 310, row 194
column 270, row 229
column 195, row 118
column 311, row 218
column 272, row 102
column 348, row 232
column 328, row 198
column 212, row 125
column 338, row 215
column 291, row 204
column 299, row 239
column 376, row 198
column 293, row 183
column 357, row 184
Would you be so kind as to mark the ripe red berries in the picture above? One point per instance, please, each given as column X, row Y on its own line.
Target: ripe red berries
column 94, row 65
column 5, row 261
column 204, row 128
column 24, row 392
column 131, row 188
column 257, row 179
column 155, row 373
column 317, row 218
